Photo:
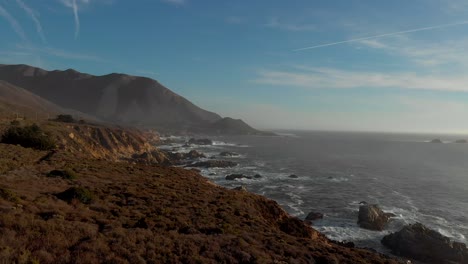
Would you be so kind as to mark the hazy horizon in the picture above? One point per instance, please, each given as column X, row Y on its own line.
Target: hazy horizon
column 326, row 65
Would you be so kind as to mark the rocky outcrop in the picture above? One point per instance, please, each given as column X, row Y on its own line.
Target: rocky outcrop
column 213, row 164
column 312, row 216
column 228, row 154
column 241, row 188
column 233, row 177
column 418, row 242
column 201, row 141
column 372, row 217
column 109, row 143
column 180, row 157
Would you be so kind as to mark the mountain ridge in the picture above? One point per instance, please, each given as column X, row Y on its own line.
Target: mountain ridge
column 112, row 97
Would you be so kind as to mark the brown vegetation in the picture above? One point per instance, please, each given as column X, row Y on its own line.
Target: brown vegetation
column 121, row 212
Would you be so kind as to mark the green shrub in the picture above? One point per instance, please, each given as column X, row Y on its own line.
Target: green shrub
column 29, row 137
column 79, row 193
column 64, row 174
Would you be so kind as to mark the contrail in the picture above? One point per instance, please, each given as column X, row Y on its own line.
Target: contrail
column 13, row 23
column 34, row 17
column 77, row 18
column 384, row 35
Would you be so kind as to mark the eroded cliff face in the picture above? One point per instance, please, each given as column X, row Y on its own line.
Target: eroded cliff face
column 110, row 143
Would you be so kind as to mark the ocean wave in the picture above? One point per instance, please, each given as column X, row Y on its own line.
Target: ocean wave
column 227, row 144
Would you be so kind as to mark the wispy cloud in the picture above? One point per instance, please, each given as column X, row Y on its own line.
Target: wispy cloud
column 445, row 53
column 33, row 15
column 74, row 5
column 13, row 23
column 175, row 2
column 319, row 78
column 383, row 35
column 276, row 23
column 60, row 53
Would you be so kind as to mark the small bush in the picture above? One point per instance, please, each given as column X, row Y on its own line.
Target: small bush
column 8, row 195
column 29, row 137
column 76, row 193
column 65, row 119
column 15, row 123
column 66, row 174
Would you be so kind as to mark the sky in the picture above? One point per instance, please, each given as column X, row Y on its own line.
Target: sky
column 354, row 65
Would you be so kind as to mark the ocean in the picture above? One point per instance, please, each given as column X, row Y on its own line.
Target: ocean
column 404, row 174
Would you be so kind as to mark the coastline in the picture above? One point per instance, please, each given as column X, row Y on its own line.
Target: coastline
column 321, row 224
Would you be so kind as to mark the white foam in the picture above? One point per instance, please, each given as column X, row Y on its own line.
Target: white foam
column 226, row 144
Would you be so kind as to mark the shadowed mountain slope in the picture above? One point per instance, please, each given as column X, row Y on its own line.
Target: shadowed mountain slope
column 14, row 100
column 114, row 97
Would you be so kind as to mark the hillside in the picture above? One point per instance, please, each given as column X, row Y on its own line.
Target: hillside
column 119, row 212
column 15, row 100
column 232, row 126
column 117, row 98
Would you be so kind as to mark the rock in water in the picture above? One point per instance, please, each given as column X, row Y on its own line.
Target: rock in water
column 228, row 154
column 312, row 216
column 372, row 217
column 202, row 141
column 421, row 243
column 214, row 164
column 437, row 140
column 232, row 177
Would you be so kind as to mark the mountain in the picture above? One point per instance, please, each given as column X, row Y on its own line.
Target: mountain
column 15, row 100
column 118, row 98
column 18, row 102
column 230, row 126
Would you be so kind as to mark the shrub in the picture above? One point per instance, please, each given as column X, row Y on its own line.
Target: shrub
column 29, row 137
column 76, row 193
column 64, row 174
column 8, row 195
column 65, row 119
column 15, row 123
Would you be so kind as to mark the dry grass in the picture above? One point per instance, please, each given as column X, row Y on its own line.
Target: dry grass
column 144, row 214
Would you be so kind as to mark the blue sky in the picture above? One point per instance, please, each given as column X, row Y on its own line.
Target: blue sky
column 241, row 58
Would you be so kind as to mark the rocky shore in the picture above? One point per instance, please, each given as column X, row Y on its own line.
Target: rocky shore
column 67, row 206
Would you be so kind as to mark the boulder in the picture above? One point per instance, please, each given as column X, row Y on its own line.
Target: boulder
column 214, row 164
column 372, row 217
column 437, row 140
column 178, row 157
column 312, row 216
column 257, row 176
column 293, row 176
column 201, row 141
column 193, row 154
column 228, row 154
column 233, row 177
column 418, row 242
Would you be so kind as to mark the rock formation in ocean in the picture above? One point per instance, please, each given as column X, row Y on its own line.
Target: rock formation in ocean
column 372, row 217
column 418, row 242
